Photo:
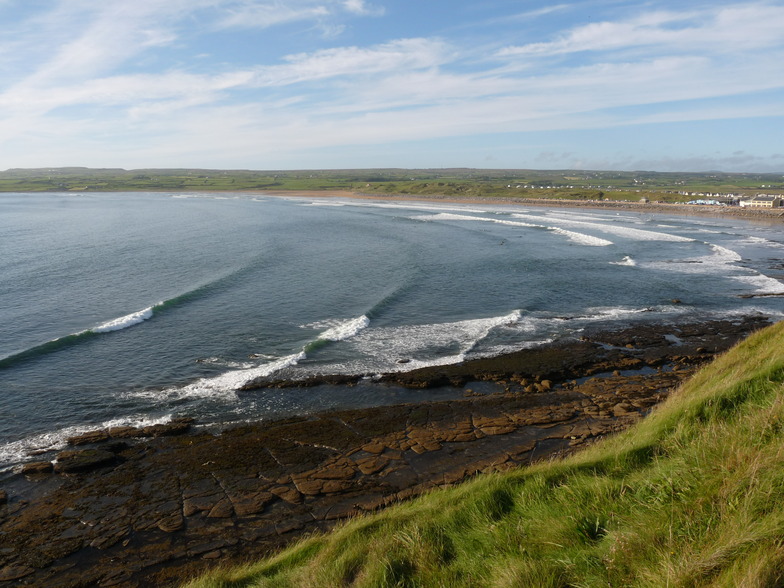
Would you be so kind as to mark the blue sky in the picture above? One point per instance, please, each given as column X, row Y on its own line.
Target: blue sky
column 311, row 84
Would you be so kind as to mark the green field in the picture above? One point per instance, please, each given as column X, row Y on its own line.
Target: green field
column 691, row 496
column 463, row 183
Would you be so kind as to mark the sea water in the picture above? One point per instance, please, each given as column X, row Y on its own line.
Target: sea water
column 133, row 308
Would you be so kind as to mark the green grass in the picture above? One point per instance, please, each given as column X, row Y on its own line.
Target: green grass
column 462, row 182
column 691, row 496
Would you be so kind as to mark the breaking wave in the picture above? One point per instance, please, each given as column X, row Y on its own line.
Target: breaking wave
column 225, row 386
column 126, row 321
column 22, row 450
column 580, row 238
column 117, row 324
column 627, row 261
column 628, row 232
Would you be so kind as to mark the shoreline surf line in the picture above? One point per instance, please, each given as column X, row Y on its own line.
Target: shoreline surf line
column 760, row 214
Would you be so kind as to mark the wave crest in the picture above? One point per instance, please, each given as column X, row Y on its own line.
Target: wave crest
column 580, row 238
column 627, row 261
column 339, row 330
column 126, row 321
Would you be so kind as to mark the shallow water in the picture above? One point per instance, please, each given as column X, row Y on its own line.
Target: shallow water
column 133, row 308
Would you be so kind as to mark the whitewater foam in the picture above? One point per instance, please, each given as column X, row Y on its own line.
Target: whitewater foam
column 117, row 324
column 23, row 450
column 752, row 240
column 628, row 232
column 579, row 238
column 763, row 284
column 627, row 261
column 126, row 321
column 721, row 260
column 723, row 254
column 340, row 329
column 383, row 349
column 599, row 314
column 326, row 204
column 222, row 387
column 417, row 206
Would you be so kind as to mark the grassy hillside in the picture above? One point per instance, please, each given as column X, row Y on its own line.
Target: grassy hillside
column 692, row 496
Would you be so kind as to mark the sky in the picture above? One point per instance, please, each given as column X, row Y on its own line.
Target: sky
column 660, row 85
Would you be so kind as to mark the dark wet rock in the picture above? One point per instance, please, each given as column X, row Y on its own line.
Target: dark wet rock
column 9, row 573
column 3, row 497
column 83, row 460
column 115, row 446
column 124, row 432
column 37, row 467
column 178, row 426
column 287, row 493
column 331, row 379
column 89, row 437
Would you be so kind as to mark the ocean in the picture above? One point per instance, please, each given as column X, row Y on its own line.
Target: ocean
column 134, row 308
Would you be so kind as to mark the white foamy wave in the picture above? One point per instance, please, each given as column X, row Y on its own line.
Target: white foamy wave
column 595, row 216
column 341, row 330
column 580, row 238
column 724, row 255
column 773, row 315
column 418, row 346
column 618, row 312
column 763, row 284
column 452, row 216
column 628, row 261
column 325, row 204
column 222, row 387
column 221, row 362
column 414, row 206
column 720, row 261
column 125, row 321
column 628, row 232
column 28, row 448
column 751, row 240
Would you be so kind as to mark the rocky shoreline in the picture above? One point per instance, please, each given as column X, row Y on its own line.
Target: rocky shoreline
column 137, row 507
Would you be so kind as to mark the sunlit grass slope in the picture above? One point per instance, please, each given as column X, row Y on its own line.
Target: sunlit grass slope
column 692, row 496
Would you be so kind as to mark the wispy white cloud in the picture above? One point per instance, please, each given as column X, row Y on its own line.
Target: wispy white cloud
column 539, row 12
column 254, row 15
column 361, row 7
column 251, row 14
column 400, row 55
column 732, row 28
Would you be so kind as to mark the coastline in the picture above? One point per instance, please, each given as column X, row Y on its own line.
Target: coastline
column 162, row 506
column 762, row 214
